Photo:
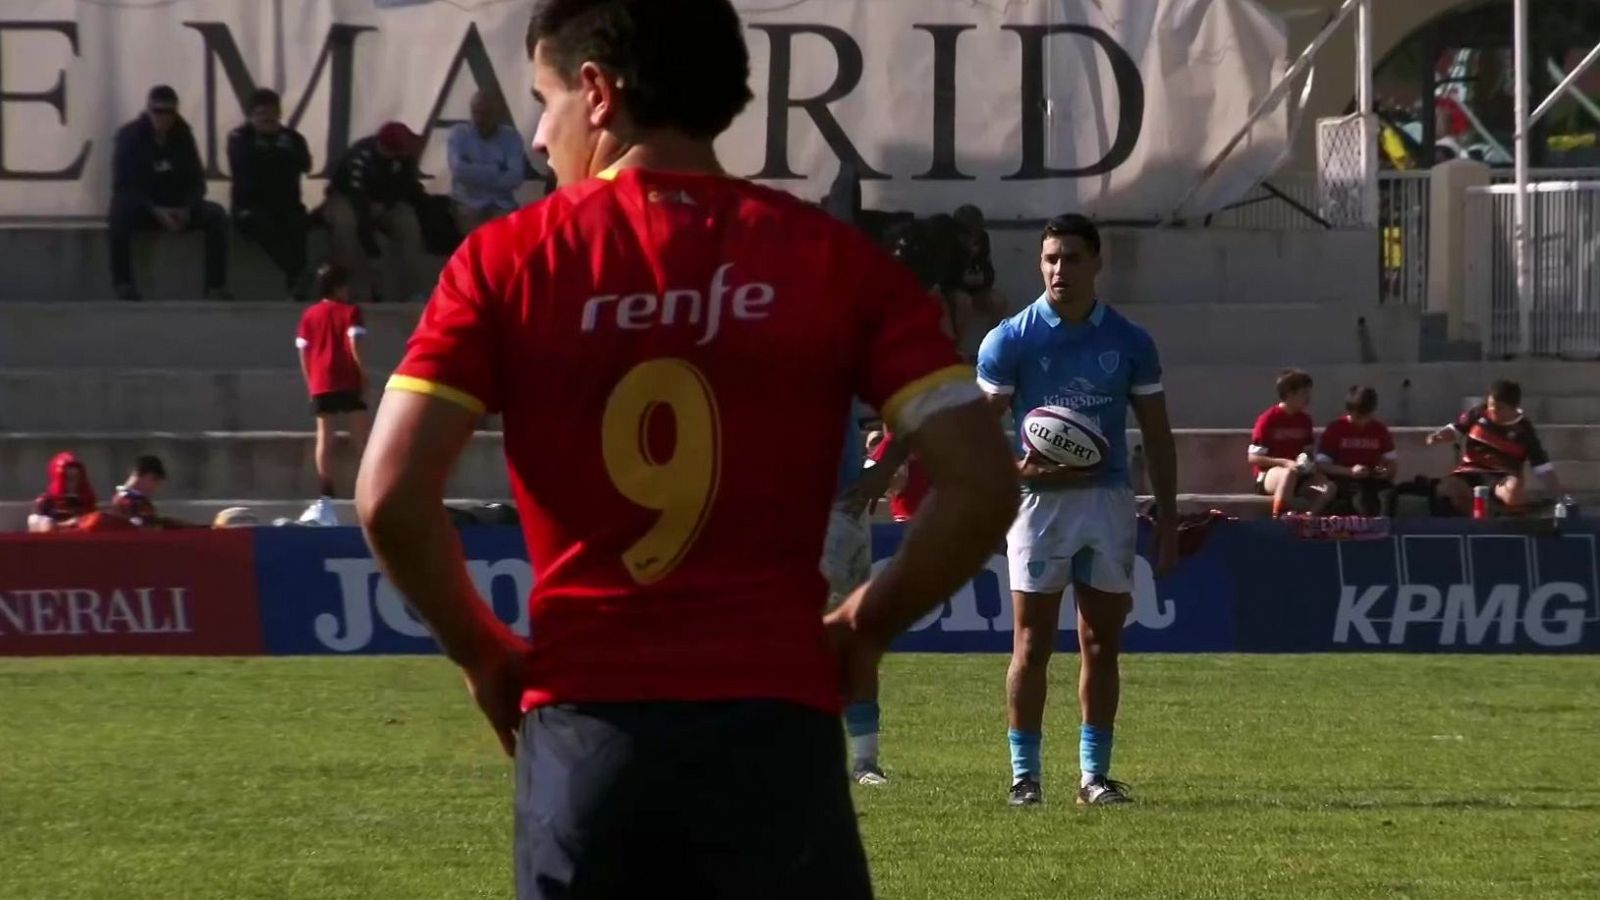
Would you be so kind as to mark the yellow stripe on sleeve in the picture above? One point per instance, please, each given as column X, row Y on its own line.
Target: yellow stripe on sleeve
column 414, row 385
column 896, row 403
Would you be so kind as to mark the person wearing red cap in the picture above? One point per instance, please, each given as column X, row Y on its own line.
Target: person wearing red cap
column 373, row 189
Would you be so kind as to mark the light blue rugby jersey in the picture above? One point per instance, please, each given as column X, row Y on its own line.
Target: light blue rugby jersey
column 1092, row 367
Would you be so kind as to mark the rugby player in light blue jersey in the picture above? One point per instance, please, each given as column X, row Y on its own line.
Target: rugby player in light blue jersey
column 1076, row 527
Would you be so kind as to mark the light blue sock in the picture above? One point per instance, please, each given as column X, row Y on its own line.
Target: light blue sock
column 861, row 723
column 1094, row 750
column 1025, row 754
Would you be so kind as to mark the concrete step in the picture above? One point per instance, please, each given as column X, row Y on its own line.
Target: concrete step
column 14, row 513
column 106, row 399
column 186, row 335
column 73, row 264
column 201, row 465
column 1421, row 394
column 1212, row 461
column 176, row 398
column 237, row 334
column 1279, row 334
column 277, row 465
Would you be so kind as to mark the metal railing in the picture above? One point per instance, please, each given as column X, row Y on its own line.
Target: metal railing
column 1404, row 199
column 1284, row 202
column 1560, row 317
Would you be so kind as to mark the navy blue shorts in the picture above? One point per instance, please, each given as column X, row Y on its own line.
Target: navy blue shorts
column 742, row 799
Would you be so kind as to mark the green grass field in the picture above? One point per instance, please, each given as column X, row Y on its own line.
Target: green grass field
column 1292, row 777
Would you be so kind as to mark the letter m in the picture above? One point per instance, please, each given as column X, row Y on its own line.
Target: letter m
column 337, row 59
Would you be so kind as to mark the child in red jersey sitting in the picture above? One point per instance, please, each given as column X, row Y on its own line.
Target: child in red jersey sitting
column 1281, row 445
column 1357, row 453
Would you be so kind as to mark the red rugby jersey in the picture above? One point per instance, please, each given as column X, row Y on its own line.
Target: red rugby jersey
column 672, row 356
column 1281, row 434
column 905, row 503
column 1345, row 443
column 326, row 329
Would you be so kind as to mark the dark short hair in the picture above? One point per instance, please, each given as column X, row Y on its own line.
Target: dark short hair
column 150, row 465
column 331, row 277
column 1507, row 392
column 683, row 65
column 162, row 93
column 1361, row 400
column 1292, row 381
column 1073, row 225
column 263, row 97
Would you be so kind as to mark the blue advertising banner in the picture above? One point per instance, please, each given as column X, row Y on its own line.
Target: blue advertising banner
column 322, row 593
column 1187, row 612
column 1264, row 587
column 1430, row 586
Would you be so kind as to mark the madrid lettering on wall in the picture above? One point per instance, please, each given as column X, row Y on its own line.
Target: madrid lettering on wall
column 1034, row 106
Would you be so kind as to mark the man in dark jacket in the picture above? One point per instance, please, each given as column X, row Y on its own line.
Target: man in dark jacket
column 267, row 159
column 157, row 182
column 375, row 188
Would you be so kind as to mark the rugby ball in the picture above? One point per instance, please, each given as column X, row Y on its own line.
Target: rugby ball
column 1064, row 437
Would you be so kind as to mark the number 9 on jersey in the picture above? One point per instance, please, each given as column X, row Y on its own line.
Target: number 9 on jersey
column 681, row 486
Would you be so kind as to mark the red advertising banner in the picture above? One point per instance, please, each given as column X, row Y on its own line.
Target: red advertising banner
column 173, row 593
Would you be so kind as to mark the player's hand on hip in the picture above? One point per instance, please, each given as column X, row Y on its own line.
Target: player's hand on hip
column 496, row 676
column 1041, row 474
column 858, row 655
column 1166, row 546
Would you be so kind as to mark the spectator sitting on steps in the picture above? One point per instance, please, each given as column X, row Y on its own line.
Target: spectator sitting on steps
column 1357, row 453
column 487, row 164
column 1497, row 443
column 69, row 498
column 267, row 159
column 157, row 182
column 1281, row 444
column 133, row 501
column 375, row 187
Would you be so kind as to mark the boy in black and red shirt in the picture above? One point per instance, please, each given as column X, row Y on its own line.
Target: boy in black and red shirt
column 1497, row 442
column 1357, row 453
column 329, row 339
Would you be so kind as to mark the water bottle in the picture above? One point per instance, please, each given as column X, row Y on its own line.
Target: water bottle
column 1566, row 509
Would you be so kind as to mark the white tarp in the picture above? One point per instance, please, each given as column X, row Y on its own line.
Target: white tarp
column 1027, row 107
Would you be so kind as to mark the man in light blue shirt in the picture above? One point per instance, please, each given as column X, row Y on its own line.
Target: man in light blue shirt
column 487, row 164
column 1075, row 527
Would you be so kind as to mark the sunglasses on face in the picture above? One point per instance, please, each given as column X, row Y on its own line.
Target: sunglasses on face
column 163, row 111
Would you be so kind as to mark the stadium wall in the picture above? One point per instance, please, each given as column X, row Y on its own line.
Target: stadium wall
column 1257, row 587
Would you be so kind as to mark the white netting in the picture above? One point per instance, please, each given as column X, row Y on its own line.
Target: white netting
column 1347, row 184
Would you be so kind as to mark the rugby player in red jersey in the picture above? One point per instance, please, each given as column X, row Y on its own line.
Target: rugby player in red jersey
column 672, row 352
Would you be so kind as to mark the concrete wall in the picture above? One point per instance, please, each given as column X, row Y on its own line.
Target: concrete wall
column 1199, row 396
column 277, row 465
column 216, row 335
column 73, row 264
column 1210, row 265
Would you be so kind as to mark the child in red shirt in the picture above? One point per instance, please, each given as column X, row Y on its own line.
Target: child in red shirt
column 1357, row 452
column 1281, row 446
column 329, row 339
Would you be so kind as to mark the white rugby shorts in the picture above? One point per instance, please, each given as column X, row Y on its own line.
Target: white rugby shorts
column 847, row 552
column 1084, row 536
